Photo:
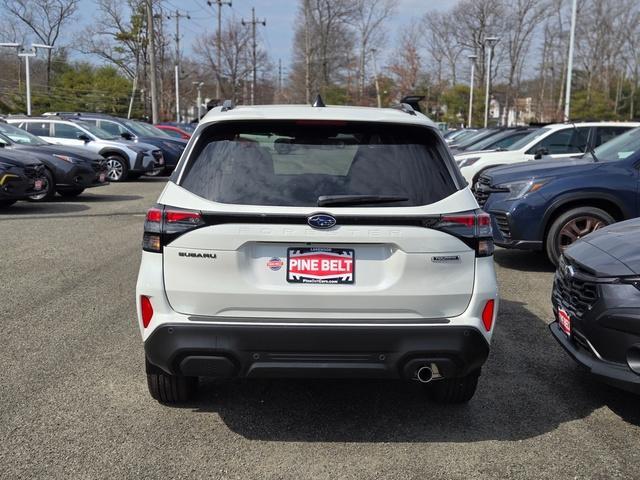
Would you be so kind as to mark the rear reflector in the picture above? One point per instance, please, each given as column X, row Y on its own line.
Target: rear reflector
column 147, row 310
column 487, row 315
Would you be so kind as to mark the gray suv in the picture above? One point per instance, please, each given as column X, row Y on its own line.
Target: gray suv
column 125, row 159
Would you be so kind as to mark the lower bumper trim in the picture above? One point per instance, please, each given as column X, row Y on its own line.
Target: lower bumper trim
column 226, row 351
column 614, row 374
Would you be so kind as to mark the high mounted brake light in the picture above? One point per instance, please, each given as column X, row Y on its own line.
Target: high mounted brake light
column 164, row 224
column 473, row 228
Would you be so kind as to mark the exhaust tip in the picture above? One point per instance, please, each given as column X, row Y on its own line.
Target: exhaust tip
column 424, row 374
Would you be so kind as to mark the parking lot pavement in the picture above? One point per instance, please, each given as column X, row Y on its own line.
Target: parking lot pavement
column 74, row 402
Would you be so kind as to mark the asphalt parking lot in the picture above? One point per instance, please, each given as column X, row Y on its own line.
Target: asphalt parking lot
column 74, row 401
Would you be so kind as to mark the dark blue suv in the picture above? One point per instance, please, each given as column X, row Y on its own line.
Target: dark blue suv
column 547, row 205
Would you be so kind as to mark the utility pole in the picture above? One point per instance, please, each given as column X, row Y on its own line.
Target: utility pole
column 177, row 16
column 280, row 76
column 572, row 36
column 27, row 54
column 199, row 87
column 152, row 62
column 220, row 4
column 473, row 66
column 375, row 76
column 253, row 23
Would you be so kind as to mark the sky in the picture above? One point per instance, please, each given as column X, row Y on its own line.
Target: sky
column 279, row 14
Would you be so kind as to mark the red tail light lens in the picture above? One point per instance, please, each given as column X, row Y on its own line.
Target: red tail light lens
column 146, row 309
column 487, row 315
column 163, row 225
column 473, row 228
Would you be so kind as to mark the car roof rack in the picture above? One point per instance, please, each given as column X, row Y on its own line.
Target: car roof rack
column 318, row 102
column 404, row 107
column 227, row 105
column 414, row 101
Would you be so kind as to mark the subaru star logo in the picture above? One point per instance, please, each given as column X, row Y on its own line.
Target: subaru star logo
column 568, row 271
column 321, row 221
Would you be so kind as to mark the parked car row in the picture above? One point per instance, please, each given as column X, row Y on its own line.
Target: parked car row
column 78, row 151
column 549, row 203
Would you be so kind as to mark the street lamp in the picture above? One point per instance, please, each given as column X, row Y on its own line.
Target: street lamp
column 23, row 52
column 473, row 59
column 491, row 43
column 199, row 87
column 567, row 100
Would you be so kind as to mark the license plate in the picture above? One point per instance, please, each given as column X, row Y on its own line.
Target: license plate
column 102, row 177
column 565, row 321
column 320, row 265
column 37, row 185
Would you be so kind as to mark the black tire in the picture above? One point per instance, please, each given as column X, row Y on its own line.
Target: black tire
column 49, row 190
column 70, row 192
column 117, row 168
column 167, row 388
column 6, row 203
column 454, row 390
column 556, row 240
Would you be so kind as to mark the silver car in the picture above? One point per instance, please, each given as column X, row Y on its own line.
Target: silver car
column 125, row 159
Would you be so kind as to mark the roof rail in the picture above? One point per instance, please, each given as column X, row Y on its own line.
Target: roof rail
column 405, row 107
column 227, row 105
column 414, row 101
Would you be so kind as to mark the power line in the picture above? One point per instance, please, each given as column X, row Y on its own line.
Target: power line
column 220, row 4
column 253, row 24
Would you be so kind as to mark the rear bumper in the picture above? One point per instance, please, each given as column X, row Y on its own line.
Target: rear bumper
column 615, row 374
column 288, row 351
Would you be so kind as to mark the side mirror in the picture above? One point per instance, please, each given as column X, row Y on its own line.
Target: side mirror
column 126, row 136
column 84, row 137
column 541, row 152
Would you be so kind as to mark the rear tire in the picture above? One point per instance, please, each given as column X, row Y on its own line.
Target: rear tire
column 169, row 389
column 454, row 390
column 71, row 192
column 561, row 230
column 48, row 191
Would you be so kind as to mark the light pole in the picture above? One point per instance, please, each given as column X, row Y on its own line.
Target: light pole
column 473, row 59
column 491, row 43
column 23, row 52
column 199, row 87
column 375, row 76
column 572, row 36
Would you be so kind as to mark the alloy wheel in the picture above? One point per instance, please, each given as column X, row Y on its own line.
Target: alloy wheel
column 578, row 228
column 114, row 169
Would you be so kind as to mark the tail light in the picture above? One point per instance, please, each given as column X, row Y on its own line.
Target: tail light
column 473, row 228
column 146, row 309
column 487, row 315
column 164, row 224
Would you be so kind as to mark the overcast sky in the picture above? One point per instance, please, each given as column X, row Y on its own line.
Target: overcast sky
column 280, row 16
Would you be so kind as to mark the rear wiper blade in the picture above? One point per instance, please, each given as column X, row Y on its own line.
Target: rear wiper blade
column 335, row 200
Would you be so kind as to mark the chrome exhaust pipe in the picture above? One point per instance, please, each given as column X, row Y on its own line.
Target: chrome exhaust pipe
column 424, row 374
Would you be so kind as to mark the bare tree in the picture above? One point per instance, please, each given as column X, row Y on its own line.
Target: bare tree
column 442, row 42
column 522, row 20
column 406, row 61
column 368, row 21
column 44, row 18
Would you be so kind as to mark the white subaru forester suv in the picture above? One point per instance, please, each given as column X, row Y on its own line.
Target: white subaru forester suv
column 299, row 241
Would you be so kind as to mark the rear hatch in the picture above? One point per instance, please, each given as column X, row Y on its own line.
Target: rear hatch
column 319, row 221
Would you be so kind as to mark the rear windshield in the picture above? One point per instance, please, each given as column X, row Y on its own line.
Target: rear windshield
column 289, row 163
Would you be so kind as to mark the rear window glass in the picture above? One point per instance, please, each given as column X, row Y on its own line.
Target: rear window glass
column 289, row 163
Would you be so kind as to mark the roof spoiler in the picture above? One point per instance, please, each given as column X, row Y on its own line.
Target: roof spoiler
column 413, row 101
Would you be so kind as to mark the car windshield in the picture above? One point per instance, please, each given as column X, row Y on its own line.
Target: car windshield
column 502, row 140
column 151, row 130
column 526, row 140
column 299, row 163
column 621, row 147
column 471, row 141
column 17, row 135
column 97, row 132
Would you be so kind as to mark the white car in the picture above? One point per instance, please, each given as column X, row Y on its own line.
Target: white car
column 125, row 159
column 558, row 141
column 298, row 241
